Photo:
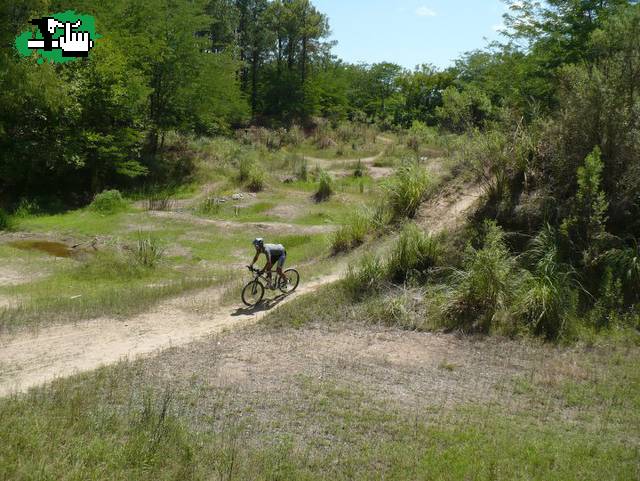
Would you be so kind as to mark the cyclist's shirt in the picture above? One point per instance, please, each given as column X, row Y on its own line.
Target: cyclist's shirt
column 274, row 252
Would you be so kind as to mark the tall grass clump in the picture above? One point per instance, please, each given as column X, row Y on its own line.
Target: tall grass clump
column 413, row 256
column 256, row 179
column 5, row 220
column 108, row 202
column 366, row 277
column 148, row 251
column 325, row 187
column 548, row 295
column 407, row 189
column 353, row 233
column 210, row 206
column 482, row 291
column 245, row 167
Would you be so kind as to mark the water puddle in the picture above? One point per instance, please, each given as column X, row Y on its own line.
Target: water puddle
column 56, row 249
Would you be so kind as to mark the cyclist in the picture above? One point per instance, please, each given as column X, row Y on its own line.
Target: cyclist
column 275, row 254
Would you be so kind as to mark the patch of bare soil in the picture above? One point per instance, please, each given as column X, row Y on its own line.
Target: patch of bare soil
column 272, row 373
column 278, row 227
column 38, row 357
column 449, row 209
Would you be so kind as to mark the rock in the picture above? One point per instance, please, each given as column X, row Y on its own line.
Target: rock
column 238, row 196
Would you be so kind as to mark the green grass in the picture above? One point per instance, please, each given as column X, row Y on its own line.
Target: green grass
column 103, row 286
column 114, row 423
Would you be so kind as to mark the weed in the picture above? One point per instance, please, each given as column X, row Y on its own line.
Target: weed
column 325, row 187
column 6, row 222
column 108, row 202
column 413, row 255
column 407, row 189
column 148, row 251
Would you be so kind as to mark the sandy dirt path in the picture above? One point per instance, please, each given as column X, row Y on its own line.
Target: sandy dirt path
column 31, row 359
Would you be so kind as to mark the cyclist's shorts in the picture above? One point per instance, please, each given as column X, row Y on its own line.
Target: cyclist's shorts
column 278, row 260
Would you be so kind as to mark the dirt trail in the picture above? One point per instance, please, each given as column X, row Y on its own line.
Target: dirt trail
column 266, row 226
column 374, row 172
column 31, row 359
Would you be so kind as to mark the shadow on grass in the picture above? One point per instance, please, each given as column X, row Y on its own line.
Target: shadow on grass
column 262, row 306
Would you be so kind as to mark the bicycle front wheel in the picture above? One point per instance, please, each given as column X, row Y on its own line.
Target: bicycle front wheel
column 252, row 293
column 289, row 281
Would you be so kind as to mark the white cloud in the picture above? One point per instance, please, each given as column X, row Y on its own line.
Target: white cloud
column 425, row 12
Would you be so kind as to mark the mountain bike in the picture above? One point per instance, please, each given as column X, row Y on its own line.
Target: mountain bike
column 253, row 292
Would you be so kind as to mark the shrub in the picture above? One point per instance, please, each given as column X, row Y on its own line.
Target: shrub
column 325, row 187
column 148, row 251
column 365, row 278
column 624, row 264
column 5, row 220
column 413, row 255
column 244, row 168
column 210, row 205
column 547, row 296
column 108, row 202
column 352, row 234
column 26, row 208
column 256, row 179
column 407, row 189
column 303, row 171
column 484, row 287
column 359, row 170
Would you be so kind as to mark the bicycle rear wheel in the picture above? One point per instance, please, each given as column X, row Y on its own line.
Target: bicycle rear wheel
column 289, row 281
column 252, row 293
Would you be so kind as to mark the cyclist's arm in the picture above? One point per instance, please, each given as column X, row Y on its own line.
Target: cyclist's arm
column 255, row 259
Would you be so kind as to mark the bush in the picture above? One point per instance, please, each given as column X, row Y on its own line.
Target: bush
column 484, row 288
column 108, row 202
column 413, row 255
column 547, row 297
column 406, row 190
column 365, row 278
column 245, row 168
column 359, row 170
column 148, row 251
column 210, row 205
column 5, row 220
column 256, row 179
column 325, row 187
column 352, row 234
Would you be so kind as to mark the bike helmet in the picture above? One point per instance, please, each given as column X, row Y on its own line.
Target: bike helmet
column 258, row 242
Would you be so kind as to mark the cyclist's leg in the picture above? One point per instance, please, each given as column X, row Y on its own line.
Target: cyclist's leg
column 280, row 265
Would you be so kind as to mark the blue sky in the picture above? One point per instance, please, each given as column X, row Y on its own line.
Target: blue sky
column 410, row 32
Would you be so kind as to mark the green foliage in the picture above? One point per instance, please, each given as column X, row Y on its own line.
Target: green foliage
column 325, row 187
column 353, row 233
column 5, row 220
column 587, row 223
column 108, row 202
column 256, row 179
column 413, row 255
column 366, row 277
column 483, row 289
column 463, row 110
column 148, row 251
column 547, row 299
column 407, row 189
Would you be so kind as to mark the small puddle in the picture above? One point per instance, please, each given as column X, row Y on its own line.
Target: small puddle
column 56, row 249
